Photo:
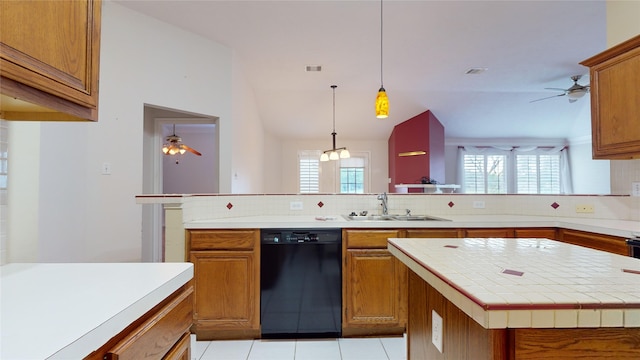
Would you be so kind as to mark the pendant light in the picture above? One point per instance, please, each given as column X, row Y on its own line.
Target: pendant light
column 334, row 153
column 382, row 101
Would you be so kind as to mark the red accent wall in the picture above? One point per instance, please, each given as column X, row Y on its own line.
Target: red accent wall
column 422, row 132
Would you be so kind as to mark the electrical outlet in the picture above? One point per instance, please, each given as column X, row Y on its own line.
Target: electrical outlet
column 295, row 205
column 635, row 188
column 478, row 204
column 584, row 209
column 436, row 330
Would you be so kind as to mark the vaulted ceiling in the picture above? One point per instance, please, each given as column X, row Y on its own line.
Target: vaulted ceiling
column 428, row 46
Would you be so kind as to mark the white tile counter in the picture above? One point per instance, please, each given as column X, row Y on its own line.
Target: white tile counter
column 622, row 228
column 528, row 283
column 66, row 311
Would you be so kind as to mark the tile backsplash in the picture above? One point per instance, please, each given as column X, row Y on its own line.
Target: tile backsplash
column 223, row 206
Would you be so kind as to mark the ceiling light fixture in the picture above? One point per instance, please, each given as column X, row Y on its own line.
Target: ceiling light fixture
column 334, row 153
column 382, row 101
column 174, row 145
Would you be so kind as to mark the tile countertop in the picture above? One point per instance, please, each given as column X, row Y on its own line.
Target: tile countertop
column 66, row 311
column 528, row 283
column 622, row 228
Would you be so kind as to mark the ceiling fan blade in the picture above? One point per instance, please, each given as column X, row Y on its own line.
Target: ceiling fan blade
column 191, row 150
column 556, row 89
column 548, row 97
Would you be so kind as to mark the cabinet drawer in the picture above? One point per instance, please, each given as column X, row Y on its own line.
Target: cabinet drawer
column 434, row 233
column 369, row 239
column 157, row 335
column 223, row 239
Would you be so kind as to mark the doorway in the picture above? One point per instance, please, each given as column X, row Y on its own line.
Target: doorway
column 177, row 174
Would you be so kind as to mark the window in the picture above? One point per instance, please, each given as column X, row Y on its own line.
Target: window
column 309, row 171
column 352, row 180
column 485, row 174
column 531, row 170
column 352, row 175
column 346, row 176
column 538, row 174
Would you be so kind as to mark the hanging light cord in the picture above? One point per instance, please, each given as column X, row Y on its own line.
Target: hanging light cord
column 381, row 32
column 334, row 116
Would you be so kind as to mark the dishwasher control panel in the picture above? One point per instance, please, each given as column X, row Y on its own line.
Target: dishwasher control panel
column 289, row 236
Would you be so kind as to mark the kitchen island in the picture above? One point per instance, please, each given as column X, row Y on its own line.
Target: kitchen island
column 88, row 311
column 494, row 298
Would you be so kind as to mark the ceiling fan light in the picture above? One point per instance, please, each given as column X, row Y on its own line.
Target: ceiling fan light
column 575, row 95
column 324, row 157
column 165, row 148
column 382, row 104
column 334, row 155
column 182, row 150
column 344, row 154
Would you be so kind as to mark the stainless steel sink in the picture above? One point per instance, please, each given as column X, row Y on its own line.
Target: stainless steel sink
column 369, row 217
column 394, row 218
column 418, row 218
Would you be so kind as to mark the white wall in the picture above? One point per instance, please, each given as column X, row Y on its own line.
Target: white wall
column 247, row 151
column 378, row 161
column 588, row 176
column 24, row 191
column 79, row 214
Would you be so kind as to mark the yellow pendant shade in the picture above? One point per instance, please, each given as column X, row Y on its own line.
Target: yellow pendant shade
column 382, row 104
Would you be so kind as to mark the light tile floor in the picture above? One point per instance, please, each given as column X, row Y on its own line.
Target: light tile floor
column 384, row 348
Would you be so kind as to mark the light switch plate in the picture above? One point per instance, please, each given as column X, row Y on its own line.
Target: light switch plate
column 635, row 188
column 295, row 205
column 106, row 168
column 436, row 330
column 478, row 204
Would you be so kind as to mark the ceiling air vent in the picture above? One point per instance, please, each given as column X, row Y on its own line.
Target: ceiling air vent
column 477, row 70
column 313, row 68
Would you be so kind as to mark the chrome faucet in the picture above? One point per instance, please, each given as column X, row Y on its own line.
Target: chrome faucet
column 383, row 197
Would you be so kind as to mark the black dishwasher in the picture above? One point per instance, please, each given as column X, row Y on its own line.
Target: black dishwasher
column 300, row 283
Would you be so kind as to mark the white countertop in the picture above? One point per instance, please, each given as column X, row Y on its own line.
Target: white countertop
column 66, row 311
column 528, row 283
column 620, row 228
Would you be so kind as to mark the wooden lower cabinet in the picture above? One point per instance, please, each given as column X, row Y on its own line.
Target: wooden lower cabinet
column 490, row 233
column 374, row 285
column 612, row 244
column 464, row 339
column 161, row 333
column 434, row 233
column 227, row 282
column 181, row 351
column 545, row 233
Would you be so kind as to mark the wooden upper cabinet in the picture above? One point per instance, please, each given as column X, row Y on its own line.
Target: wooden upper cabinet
column 49, row 59
column 615, row 101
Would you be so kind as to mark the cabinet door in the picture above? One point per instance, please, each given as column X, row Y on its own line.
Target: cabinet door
column 374, row 293
column 615, row 108
column 612, row 244
column 490, row 233
column 546, row 233
column 52, row 47
column 227, row 294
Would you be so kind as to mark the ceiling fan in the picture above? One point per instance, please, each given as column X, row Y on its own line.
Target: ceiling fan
column 174, row 145
column 575, row 92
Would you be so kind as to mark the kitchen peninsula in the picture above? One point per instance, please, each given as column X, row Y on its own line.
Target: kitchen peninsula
column 95, row 311
column 478, row 298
